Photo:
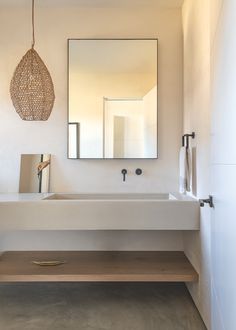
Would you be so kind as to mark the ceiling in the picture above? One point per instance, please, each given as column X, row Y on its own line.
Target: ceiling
column 97, row 3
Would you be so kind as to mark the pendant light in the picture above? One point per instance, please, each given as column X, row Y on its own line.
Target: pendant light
column 31, row 89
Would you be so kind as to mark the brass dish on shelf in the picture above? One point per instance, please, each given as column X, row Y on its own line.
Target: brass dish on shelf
column 48, row 262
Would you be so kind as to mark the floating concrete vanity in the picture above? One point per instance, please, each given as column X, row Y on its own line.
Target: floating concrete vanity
column 98, row 212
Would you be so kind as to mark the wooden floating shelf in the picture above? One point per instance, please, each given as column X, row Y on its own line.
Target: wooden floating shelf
column 96, row 266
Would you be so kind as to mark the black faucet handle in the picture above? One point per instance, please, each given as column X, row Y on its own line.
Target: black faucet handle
column 124, row 172
column 138, row 171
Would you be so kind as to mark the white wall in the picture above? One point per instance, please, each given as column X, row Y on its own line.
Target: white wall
column 53, row 27
column 92, row 240
column 150, row 120
column 196, row 27
column 223, row 164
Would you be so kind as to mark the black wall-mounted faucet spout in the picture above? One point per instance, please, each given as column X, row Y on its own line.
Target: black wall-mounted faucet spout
column 124, row 172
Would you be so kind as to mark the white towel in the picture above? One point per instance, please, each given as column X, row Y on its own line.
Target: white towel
column 185, row 170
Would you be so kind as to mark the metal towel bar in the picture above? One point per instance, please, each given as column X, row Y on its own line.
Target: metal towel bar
column 185, row 139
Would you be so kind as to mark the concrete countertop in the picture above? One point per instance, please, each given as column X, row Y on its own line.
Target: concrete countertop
column 17, row 197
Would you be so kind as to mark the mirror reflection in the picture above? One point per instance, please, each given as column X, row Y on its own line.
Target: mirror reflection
column 112, row 98
column 34, row 173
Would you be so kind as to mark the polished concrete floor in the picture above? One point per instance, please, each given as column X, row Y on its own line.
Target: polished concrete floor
column 108, row 306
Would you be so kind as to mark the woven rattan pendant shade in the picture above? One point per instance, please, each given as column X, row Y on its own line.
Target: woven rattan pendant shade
column 31, row 89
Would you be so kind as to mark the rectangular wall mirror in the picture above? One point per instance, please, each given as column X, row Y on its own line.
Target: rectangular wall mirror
column 112, row 98
column 34, row 173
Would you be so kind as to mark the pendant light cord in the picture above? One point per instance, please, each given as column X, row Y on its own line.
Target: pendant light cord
column 33, row 37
